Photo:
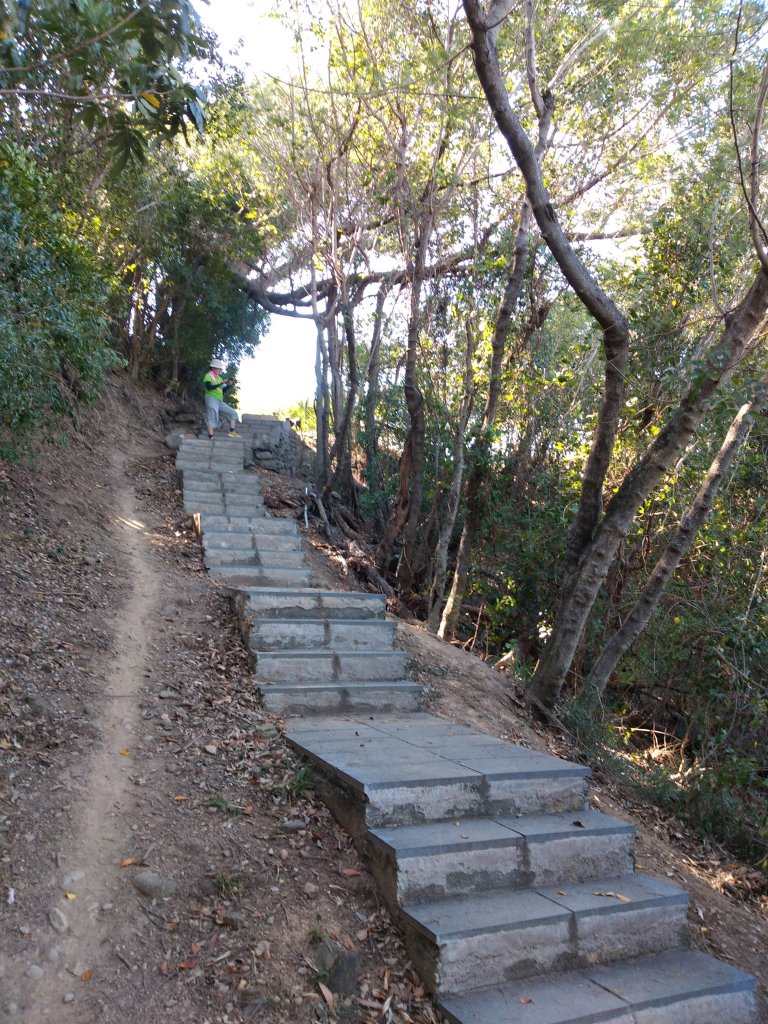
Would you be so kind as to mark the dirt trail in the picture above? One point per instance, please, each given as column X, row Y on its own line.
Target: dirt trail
column 99, row 827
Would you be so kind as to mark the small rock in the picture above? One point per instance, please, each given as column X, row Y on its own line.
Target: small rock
column 53, row 954
column 35, row 972
column 342, row 977
column 233, row 919
column 211, row 748
column 25, row 929
column 293, row 826
column 39, row 706
column 69, row 881
column 310, row 889
column 58, row 920
column 69, row 997
column 173, row 440
column 167, row 694
column 150, row 883
column 191, row 847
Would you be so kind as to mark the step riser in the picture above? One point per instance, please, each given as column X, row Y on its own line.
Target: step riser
column 248, row 576
column 310, row 605
column 243, row 540
column 565, row 944
column 339, row 700
column 515, row 865
column 249, row 556
column 220, row 508
column 297, row 634
column 346, row 667
column 237, row 524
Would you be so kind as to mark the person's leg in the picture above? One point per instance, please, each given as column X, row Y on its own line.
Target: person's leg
column 211, row 415
column 233, row 416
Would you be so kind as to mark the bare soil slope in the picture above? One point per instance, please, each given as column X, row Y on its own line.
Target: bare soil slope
column 162, row 857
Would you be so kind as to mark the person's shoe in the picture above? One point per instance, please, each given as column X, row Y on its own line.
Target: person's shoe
column 233, row 433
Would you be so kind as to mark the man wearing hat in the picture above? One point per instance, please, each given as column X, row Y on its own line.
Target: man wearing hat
column 215, row 386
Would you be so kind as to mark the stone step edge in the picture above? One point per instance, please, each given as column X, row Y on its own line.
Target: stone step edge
column 600, row 994
column 659, row 893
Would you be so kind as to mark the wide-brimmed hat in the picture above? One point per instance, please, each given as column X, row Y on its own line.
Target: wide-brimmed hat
column 217, row 364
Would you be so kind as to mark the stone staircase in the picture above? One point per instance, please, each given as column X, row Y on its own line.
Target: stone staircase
column 518, row 903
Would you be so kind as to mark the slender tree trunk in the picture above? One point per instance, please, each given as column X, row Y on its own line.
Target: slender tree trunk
column 676, row 550
column 411, row 480
column 372, row 395
column 613, row 324
column 446, row 530
column 476, row 485
column 741, row 325
column 342, row 444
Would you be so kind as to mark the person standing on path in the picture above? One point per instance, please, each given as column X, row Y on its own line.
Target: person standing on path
column 215, row 386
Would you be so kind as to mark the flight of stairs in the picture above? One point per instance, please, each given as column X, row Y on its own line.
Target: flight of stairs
column 519, row 904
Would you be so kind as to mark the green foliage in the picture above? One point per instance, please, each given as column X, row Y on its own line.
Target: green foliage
column 54, row 344
column 113, row 64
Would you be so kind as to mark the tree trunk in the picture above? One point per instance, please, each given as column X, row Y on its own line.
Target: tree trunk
column 411, row 480
column 476, row 485
column 446, row 531
column 676, row 550
column 582, row 588
column 342, row 444
column 372, row 396
column 613, row 324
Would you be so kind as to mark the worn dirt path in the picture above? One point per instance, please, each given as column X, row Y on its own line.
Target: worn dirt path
column 99, row 824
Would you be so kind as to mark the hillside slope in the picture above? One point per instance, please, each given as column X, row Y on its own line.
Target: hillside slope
column 161, row 854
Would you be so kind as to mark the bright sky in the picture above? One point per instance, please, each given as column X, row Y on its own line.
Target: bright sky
column 282, row 372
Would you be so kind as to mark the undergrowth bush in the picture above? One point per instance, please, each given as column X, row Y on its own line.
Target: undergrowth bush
column 54, row 347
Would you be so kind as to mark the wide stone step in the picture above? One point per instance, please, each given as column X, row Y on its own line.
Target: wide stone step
column 331, row 699
column 248, row 501
column 257, row 525
column 249, row 539
column 214, row 489
column 338, row 634
column 418, row 768
column 329, row 666
column 252, row 556
column 416, row 863
column 226, row 475
column 674, row 987
column 221, row 507
column 474, row 941
column 264, row 575
column 309, row 603
column 252, row 539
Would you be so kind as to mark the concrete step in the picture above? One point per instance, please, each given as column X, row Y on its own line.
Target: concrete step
column 268, row 576
column 309, row 603
column 222, row 507
column 332, row 699
column 250, row 539
column 433, row 861
column 227, row 475
column 258, row 525
column 495, row 937
column 228, row 498
column 264, row 555
column 675, row 987
column 215, row 487
column 329, row 666
column 387, row 771
column 338, row 634
column 292, row 559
